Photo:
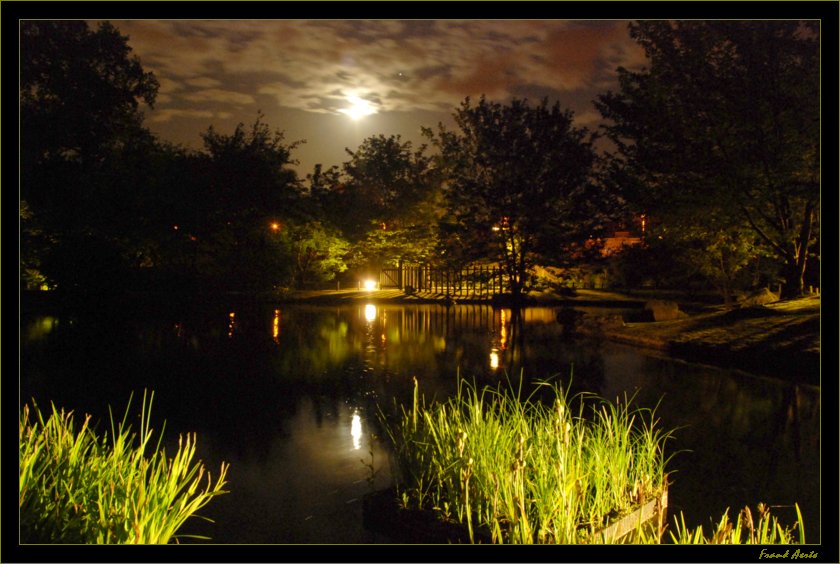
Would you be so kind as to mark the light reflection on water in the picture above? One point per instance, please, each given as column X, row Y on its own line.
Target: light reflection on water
column 356, row 430
column 296, row 417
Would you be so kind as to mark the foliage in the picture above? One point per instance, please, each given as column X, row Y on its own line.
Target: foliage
column 216, row 213
column 79, row 487
column 316, row 251
column 393, row 192
column 80, row 96
column 410, row 241
column 247, row 173
column 722, row 258
column 725, row 122
column 524, row 471
column 516, row 184
column 79, row 90
column 688, row 257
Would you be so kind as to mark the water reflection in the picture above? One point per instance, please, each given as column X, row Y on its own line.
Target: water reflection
column 370, row 313
column 280, row 410
column 494, row 359
column 39, row 328
column 356, row 430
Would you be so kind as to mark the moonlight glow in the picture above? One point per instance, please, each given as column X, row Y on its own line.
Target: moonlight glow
column 359, row 108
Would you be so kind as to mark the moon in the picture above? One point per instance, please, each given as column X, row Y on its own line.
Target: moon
column 359, row 108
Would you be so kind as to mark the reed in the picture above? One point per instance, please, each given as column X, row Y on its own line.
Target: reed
column 79, row 487
column 761, row 528
column 519, row 470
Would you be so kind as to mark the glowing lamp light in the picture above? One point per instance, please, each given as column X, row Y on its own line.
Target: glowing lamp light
column 369, row 284
column 275, row 226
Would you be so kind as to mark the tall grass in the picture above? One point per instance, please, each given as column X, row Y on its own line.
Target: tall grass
column 522, row 471
column 79, row 487
column 762, row 528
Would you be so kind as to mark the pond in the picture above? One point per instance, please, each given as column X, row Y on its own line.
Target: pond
column 289, row 395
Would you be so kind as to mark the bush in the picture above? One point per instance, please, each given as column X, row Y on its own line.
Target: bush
column 77, row 487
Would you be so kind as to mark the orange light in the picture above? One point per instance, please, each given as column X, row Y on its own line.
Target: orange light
column 275, row 226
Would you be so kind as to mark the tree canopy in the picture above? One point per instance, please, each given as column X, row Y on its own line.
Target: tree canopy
column 80, row 96
column 516, row 180
column 725, row 123
column 385, row 200
column 80, row 90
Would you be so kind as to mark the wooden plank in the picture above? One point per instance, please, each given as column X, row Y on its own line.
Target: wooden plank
column 655, row 508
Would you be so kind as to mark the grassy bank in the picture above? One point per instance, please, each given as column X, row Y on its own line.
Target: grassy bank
column 780, row 339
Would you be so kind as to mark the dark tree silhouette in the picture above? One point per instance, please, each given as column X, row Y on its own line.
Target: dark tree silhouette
column 516, row 184
column 80, row 96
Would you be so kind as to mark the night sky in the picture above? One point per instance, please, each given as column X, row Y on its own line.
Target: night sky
column 306, row 76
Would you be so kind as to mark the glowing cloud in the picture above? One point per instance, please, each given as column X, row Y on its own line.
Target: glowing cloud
column 359, row 108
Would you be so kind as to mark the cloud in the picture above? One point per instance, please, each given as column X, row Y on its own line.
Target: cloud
column 407, row 65
column 203, row 82
column 219, row 96
column 162, row 116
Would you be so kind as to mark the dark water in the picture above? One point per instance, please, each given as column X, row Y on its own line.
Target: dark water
column 289, row 396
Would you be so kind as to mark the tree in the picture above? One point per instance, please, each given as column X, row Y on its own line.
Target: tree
column 80, row 90
column 393, row 192
column 80, row 96
column 245, row 189
column 249, row 173
column 516, row 184
column 317, row 252
column 725, row 121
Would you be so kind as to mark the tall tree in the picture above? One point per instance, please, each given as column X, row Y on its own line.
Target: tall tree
column 392, row 189
column 80, row 96
column 516, row 184
column 247, row 192
column 725, row 122
column 80, row 90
